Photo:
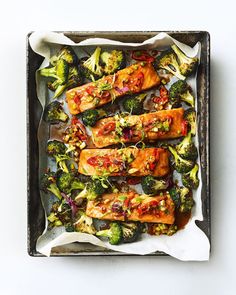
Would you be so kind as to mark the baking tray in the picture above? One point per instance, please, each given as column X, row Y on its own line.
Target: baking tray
column 36, row 217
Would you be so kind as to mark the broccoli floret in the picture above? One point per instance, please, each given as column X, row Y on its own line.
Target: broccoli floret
column 54, row 113
column 168, row 61
column 190, row 117
column 85, row 225
column 114, row 233
column 186, row 199
column 130, row 231
column 134, row 104
column 183, row 198
column 67, row 182
column 66, row 53
column 181, row 91
column 93, row 70
column 48, row 184
column 57, row 149
column 74, row 79
column 187, row 64
column 96, row 187
column 90, row 117
column 187, row 149
column 181, row 165
column 112, row 61
column 190, row 179
column 60, row 71
column 61, row 214
column 151, row 186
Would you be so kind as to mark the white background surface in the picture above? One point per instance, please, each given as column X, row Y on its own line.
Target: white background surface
column 23, row 275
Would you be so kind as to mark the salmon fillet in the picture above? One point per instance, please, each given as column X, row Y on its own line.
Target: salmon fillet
column 164, row 124
column 124, row 162
column 133, row 79
column 133, row 207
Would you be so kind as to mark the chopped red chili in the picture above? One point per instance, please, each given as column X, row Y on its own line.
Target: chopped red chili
column 184, row 128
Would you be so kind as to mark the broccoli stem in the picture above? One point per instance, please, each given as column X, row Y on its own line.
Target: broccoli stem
column 54, row 189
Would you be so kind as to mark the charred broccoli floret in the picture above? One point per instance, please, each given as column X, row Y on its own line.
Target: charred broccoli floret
column 190, row 179
column 85, row 225
column 61, row 214
column 130, row 231
column 90, row 117
column 96, row 187
column 168, row 61
column 190, row 117
column 151, row 186
column 57, row 149
column 67, row 182
column 74, row 79
column 60, row 71
column 112, row 61
column 66, row 53
column 181, row 91
column 54, row 113
column 134, row 104
column 183, row 198
column 48, row 184
column 187, row 149
column 181, row 165
column 187, row 64
column 91, row 66
column 114, row 233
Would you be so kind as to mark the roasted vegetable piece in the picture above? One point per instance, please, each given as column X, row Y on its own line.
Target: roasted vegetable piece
column 187, row 64
column 187, row 149
column 163, row 229
column 85, row 225
column 74, row 79
column 114, row 233
column 90, row 117
column 48, row 184
column 61, row 214
column 134, row 104
column 181, row 91
column 57, row 149
column 66, row 53
column 92, row 68
column 67, row 182
column 190, row 117
column 60, row 71
column 181, row 165
column 183, row 198
column 112, row 61
column 96, row 187
column 151, row 185
column 130, row 231
column 190, row 179
column 168, row 61
column 54, row 113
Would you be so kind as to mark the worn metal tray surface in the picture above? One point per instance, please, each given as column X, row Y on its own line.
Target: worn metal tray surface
column 36, row 217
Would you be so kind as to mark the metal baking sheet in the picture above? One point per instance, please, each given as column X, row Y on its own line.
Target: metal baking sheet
column 36, row 217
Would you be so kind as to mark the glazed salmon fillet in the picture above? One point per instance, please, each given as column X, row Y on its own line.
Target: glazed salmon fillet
column 124, row 162
column 166, row 124
column 133, row 207
column 133, row 79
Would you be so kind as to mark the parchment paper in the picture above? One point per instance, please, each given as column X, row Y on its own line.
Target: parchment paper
column 187, row 244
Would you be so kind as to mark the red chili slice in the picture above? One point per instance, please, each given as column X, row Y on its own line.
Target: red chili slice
column 105, row 94
column 184, row 128
column 93, row 161
column 90, row 89
column 77, row 99
column 107, row 128
column 142, row 55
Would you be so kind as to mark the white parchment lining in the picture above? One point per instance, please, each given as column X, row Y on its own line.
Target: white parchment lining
column 188, row 244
